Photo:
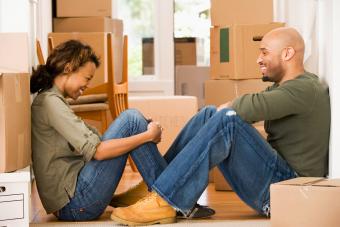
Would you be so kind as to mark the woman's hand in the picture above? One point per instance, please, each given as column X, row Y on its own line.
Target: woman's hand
column 155, row 131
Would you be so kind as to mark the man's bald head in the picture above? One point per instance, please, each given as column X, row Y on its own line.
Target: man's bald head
column 286, row 37
column 281, row 55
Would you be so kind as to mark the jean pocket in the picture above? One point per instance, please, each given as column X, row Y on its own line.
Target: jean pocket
column 90, row 212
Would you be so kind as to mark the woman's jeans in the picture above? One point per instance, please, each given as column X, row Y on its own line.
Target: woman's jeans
column 98, row 180
column 209, row 139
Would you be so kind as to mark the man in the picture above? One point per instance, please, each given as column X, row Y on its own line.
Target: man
column 296, row 111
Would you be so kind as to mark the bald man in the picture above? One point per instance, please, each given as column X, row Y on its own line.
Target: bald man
column 296, row 111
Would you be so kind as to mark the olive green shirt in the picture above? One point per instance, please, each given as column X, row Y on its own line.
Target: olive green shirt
column 61, row 144
column 297, row 120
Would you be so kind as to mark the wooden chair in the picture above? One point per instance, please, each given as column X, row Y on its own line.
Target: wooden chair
column 40, row 55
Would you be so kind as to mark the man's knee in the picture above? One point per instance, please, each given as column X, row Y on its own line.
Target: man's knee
column 208, row 110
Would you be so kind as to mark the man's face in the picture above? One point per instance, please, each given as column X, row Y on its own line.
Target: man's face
column 270, row 61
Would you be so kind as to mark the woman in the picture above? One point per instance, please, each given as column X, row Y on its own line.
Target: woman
column 76, row 170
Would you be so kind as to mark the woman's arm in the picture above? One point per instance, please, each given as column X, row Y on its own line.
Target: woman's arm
column 115, row 147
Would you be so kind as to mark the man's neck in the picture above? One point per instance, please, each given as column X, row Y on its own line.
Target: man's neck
column 292, row 74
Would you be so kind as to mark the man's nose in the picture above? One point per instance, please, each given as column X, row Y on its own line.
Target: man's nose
column 259, row 59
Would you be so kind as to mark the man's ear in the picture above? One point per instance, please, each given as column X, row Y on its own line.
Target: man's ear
column 67, row 68
column 288, row 53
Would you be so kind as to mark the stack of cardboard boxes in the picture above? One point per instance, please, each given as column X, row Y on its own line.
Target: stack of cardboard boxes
column 89, row 21
column 15, row 131
column 235, row 36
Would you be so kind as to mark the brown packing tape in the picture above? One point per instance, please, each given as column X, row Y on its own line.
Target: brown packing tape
column 2, row 129
column 21, row 149
column 18, row 90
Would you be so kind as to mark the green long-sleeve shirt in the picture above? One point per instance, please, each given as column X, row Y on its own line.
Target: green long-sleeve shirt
column 297, row 121
column 61, row 144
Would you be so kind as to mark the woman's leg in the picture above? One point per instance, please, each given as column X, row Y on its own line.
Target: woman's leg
column 98, row 180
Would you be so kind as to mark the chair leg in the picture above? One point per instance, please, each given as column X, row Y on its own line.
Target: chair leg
column 104, row 121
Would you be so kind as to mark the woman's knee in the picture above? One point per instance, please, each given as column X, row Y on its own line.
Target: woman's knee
column 133, row 114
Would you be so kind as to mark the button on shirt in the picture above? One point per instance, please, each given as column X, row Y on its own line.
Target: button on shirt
column 61, row 145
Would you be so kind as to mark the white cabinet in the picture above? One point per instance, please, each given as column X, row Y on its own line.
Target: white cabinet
column 14, row 198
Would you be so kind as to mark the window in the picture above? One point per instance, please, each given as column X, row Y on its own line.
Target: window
column 192, row 19
column 151, row 21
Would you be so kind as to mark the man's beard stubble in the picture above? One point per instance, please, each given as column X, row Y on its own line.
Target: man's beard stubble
column 266, row 78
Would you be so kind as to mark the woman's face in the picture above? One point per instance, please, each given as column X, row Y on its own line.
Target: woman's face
column 79, row 80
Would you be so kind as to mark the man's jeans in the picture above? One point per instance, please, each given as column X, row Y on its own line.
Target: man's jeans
column 220, row 138
column 98, row 180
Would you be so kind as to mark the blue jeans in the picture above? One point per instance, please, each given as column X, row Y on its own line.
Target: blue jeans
column 98, row 180
column 220, row 139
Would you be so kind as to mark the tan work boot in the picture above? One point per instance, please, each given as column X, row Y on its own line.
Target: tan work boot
column 131, row 196
column 150, row 210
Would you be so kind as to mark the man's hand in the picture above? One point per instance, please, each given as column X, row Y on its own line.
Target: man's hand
column 225, row 105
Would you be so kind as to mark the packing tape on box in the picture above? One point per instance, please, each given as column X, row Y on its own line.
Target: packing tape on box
column 21, row 149
column 236, row 90
column 18, row 91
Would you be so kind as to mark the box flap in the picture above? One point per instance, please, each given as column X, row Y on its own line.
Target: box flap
column 302, row 181
column 328, row 183
column 311, row 181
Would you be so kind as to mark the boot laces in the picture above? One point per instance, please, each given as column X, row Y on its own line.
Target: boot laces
column 149, row 197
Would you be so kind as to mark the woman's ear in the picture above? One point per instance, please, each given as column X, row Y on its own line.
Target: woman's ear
column 67, row 68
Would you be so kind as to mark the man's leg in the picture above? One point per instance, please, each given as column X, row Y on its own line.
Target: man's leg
column 189, row 131
column 244, row 153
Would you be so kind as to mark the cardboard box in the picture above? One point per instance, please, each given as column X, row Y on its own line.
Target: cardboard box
column 14, row 198
column 260, row 128
column 97, row 24
column 15, row 121
column 218, row 92
column 187, row 51
column 305, row 201
column 148, row 53
column 234, row 50
column 88, row 24
column 87, row 8
column 241, row 12
column 173, row 112
column 189, row 80
column 98, row 41
column 17, row 45
column 220, row 182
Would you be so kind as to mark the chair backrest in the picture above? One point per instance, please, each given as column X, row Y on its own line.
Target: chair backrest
column 39, row 53
column 117, row 92
column 50, row 44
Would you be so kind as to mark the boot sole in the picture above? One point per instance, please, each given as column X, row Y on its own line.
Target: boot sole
column 130, row 223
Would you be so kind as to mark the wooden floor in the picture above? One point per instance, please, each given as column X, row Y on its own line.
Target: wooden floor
column 226, row 204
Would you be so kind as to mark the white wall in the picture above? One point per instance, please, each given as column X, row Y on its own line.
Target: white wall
column 317, row 20
column 332, row 70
